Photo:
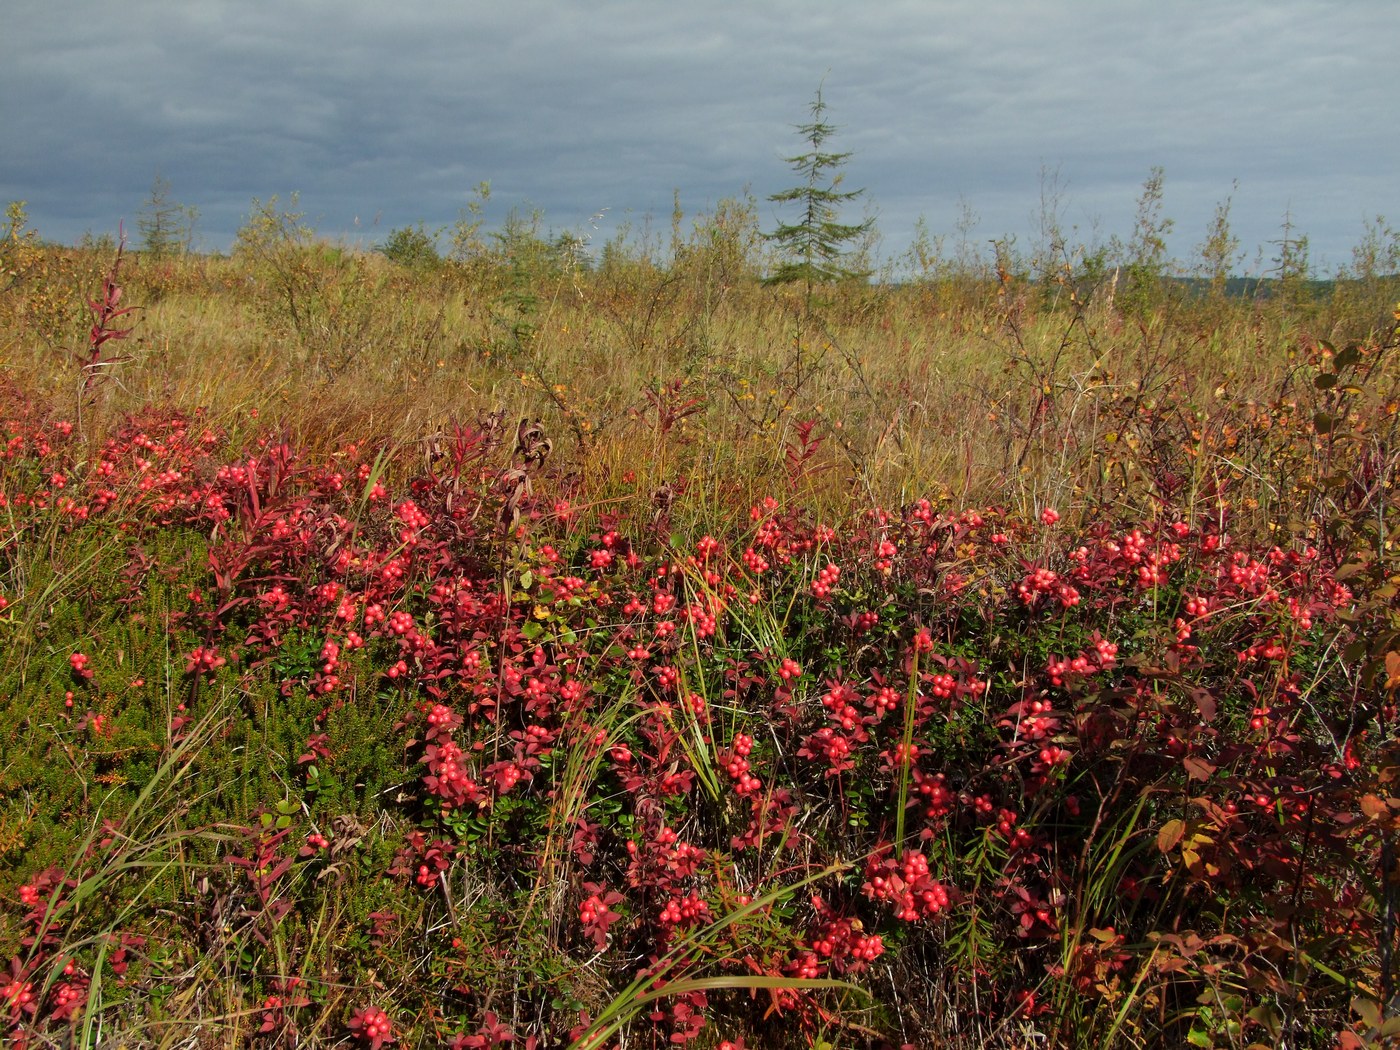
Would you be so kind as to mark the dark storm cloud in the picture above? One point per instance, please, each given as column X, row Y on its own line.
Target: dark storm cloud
column 396, row 111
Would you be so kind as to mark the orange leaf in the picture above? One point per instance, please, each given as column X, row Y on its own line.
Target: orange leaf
column 1170, row 835
column 1374, row 807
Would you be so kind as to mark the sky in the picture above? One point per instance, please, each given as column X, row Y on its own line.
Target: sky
column 383, row 115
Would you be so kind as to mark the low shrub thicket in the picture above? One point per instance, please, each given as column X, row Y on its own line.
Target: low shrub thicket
column 444, row 753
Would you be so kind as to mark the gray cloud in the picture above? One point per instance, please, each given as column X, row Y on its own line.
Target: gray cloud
column 398, row 110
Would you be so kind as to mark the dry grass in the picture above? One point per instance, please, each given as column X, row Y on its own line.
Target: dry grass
column 979, row 392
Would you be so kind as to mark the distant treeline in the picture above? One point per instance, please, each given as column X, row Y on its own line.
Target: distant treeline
column 1272, row 287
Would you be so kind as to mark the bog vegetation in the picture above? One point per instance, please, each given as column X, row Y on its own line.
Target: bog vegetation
column 492, row 647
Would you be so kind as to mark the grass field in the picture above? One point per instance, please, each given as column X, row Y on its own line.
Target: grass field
column 502, row 651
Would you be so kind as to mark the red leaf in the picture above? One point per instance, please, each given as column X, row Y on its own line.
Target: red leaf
column 1197, row 768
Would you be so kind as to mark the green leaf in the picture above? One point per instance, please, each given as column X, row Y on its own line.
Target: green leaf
column 1266, row 1017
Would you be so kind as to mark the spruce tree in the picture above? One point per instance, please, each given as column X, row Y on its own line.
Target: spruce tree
column 166, row 228
column 813, row 247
